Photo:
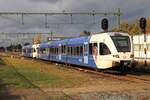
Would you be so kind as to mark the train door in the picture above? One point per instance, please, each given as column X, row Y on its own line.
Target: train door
column 85, row 53
column 105, row 56
column 59, row 52
column 38, row 52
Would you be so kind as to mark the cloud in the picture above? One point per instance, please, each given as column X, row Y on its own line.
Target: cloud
column 132, row 9
column 47, row 1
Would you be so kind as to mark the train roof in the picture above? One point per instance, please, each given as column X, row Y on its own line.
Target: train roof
column 56, row 43
column 44, row 45
column 115, row 33
column 70, row 42
column 27, row 46
column 81, row 40
column 77, row 41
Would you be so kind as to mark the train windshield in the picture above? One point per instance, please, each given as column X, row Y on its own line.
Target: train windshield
column 122, row 43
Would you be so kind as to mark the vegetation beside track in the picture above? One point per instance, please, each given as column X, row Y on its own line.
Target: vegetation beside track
column 30, row 74
column 38, row 80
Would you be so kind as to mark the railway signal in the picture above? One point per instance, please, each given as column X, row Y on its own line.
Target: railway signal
column 143, row 24
column 104, row 24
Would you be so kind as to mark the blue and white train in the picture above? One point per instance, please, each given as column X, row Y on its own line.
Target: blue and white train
column 97, row 51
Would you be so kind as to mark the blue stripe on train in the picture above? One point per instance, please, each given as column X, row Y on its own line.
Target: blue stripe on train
column 76, row 60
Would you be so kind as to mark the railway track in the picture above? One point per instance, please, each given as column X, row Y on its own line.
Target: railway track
column 139, row 78
column 128, row 77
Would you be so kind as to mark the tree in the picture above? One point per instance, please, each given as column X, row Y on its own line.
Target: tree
column 37, row 39
column 148, row 26
column 85, row 33
column 2, row 49
column 131, row 29
column 10, row 48
column 18, row 48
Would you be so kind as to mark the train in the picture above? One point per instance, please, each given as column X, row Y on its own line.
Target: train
column 98, row 51
column 141, row 49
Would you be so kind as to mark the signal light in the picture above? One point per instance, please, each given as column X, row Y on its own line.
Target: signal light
column 104, row 24
column 143, row 23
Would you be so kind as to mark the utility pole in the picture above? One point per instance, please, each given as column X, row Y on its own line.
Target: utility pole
column 119, row 18
column 143, row 24
column 51, row 36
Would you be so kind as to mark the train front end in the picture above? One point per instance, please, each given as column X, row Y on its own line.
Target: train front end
column 123, row 57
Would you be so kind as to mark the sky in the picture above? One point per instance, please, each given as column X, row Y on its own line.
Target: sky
column 131, row 9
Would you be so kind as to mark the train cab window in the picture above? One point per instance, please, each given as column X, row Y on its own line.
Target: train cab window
column 122, row 43
column 104, row 50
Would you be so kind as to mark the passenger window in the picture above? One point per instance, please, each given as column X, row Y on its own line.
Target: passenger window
column 71, row 51
column 74, row 51
column 93, row 49
column 142, row 47
column 90, row 48
column 136, row 47
column 104, row 50
column 148, row 47
column 81, row 51
column 47, row 50
column 78, row 53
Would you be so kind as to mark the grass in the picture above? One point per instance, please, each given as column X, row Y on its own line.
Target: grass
column 22, row 73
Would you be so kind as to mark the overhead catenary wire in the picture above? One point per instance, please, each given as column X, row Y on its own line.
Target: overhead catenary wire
column 93, row 13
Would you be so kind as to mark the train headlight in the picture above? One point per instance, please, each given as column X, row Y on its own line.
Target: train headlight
column 116, row 56
column 132, row 56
